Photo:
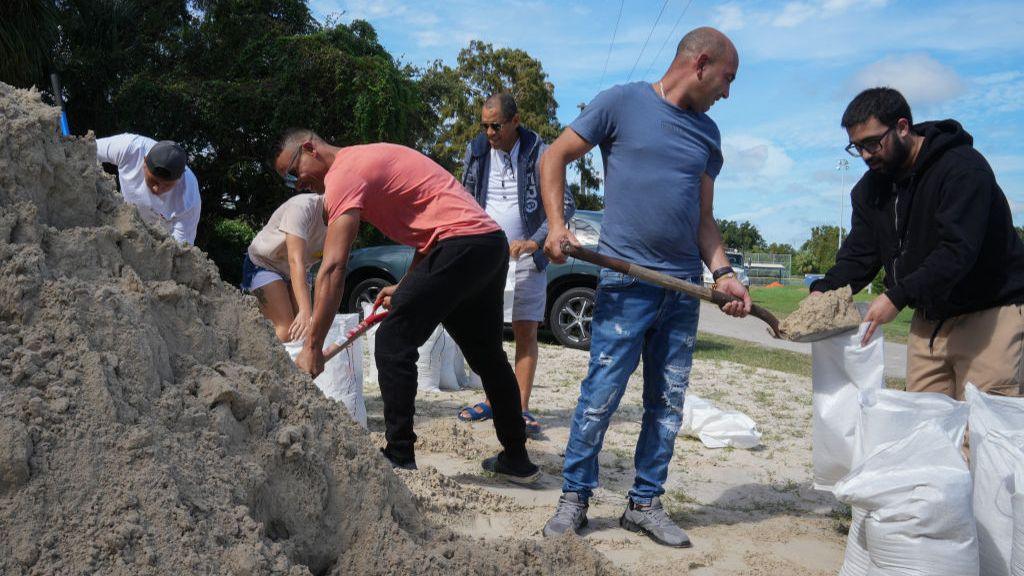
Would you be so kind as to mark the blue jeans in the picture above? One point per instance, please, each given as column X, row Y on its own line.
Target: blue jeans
column 633, row 319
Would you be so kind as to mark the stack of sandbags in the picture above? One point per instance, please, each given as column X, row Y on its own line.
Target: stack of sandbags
column 887, row 416
column 916, row 493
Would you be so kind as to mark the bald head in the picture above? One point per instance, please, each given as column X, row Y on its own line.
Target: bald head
column 705, row 40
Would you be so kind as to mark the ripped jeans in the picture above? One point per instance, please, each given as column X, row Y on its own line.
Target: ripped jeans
column 633, row 319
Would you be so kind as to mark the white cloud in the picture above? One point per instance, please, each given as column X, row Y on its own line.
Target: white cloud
column 1006, row 163
column 729, row 17
column 753, row 158
column 842, row 5
column 922, row 79
column 794, row 14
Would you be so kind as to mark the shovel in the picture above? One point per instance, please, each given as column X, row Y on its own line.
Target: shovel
column 354, row 334
column 707, row 294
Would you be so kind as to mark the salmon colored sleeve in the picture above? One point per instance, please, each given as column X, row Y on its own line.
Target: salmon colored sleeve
column 342, row 192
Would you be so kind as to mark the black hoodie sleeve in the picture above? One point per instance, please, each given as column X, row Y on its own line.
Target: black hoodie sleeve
column 961, row 219
column 858, row 261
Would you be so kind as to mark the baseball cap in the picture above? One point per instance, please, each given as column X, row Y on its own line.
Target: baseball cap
column 166, row 160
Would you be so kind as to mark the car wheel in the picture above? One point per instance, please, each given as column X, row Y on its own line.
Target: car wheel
column 365, row 292
column 570, row 317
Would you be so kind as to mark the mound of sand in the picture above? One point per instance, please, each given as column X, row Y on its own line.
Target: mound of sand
column 151, row 424
column 830, row 311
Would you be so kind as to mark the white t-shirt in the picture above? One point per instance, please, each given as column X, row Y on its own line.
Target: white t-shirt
column 301, row 215
column 503, row 192
column 176, row 211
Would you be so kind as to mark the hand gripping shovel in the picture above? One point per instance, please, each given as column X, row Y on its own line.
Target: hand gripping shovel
column 666, row 281
column 354, row 334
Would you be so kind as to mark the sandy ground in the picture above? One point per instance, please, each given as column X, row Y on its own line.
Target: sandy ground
column 747, row 512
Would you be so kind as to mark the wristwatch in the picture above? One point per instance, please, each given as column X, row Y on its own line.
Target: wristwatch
column 723, row 272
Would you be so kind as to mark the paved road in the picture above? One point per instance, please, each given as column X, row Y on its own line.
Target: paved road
column 751, row 329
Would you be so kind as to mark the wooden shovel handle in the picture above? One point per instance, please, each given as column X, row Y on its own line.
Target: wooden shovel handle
column 666, row 281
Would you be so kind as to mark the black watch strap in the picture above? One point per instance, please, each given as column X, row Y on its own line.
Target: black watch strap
column 722, row 272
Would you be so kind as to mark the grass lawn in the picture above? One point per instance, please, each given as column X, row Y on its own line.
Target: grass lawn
column 713, row 347
column 783, row 300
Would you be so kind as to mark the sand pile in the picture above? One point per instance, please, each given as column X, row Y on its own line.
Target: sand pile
column 151, row 424
column 832, row 311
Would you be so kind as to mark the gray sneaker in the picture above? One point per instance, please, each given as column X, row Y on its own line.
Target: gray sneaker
column 571, row 514
column 654, row 521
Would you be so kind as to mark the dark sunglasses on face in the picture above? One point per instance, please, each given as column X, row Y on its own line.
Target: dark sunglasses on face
column 289, row 177
column 496, row 126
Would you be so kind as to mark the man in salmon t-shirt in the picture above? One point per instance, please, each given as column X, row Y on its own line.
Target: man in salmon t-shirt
column 457, row 278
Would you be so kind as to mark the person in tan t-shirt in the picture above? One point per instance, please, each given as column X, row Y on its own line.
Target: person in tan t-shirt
column 277, row 264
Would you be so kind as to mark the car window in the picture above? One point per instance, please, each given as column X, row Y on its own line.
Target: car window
column 586, row 233
column 735, row 260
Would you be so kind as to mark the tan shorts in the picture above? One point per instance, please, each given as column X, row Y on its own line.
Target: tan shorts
column 985, row 348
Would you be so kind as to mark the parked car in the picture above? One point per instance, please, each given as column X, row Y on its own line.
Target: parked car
column 571, row 286
column 736, row 261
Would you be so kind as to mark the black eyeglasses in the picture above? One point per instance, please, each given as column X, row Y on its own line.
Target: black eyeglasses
column 871, row 145
column 496, row 126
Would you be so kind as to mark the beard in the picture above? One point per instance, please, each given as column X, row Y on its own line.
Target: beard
column 891, row 163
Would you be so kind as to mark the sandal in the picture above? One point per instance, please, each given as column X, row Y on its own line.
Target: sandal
column 479, row 411
column 532, row 426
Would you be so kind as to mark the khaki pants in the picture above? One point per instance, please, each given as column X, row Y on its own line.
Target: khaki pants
column 985, row 348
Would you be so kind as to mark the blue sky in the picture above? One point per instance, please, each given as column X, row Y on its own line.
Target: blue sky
column 800, row 63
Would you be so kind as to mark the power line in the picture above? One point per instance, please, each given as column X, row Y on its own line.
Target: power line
column 649, row 34
column 614, row 33
column 671, row 34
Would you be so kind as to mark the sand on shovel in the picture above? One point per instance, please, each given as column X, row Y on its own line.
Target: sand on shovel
column 150, row 423
column 832, row 311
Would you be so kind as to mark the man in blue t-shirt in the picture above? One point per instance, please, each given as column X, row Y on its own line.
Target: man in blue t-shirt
column 661, row 155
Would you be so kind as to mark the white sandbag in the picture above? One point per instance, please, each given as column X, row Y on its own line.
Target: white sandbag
column 510, row 291
column 467, row 379
column 990, row 412
column 449, row 378
column 917, row 496
column 370, row 338
column 342, row 378
column 841, row 368
column 1017, row 545
column 995, row 461
column 887, row 416
column 717, row 428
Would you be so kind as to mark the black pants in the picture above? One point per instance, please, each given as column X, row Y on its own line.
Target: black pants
column 459, row 284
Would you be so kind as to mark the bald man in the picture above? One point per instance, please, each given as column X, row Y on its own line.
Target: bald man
column 661, row 156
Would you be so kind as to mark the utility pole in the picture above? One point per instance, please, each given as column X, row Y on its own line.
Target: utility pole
column 842, row 166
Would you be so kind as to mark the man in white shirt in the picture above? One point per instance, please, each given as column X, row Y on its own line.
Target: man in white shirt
column 153, row 176
column 501, row 170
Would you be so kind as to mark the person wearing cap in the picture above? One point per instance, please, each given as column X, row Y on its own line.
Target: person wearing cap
column 153, row 176
column 277, row 264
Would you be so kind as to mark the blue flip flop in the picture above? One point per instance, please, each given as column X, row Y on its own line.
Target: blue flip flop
column 472, row 415
column 532, row 426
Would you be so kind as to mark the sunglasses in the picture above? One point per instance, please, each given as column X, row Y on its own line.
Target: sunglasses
column 291, row 179
column 496, row 126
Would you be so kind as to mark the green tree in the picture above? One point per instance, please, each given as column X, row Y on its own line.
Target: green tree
column 456, row 95
column 28, row 29
column 1020, row 231
column 818, row 253
column 775, row 248
column 741, row 235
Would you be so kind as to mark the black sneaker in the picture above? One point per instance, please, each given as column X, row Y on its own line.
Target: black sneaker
column 403, row 463
column 524, row 472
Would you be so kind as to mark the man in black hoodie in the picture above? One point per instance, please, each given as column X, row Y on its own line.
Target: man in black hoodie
column 930, row 212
